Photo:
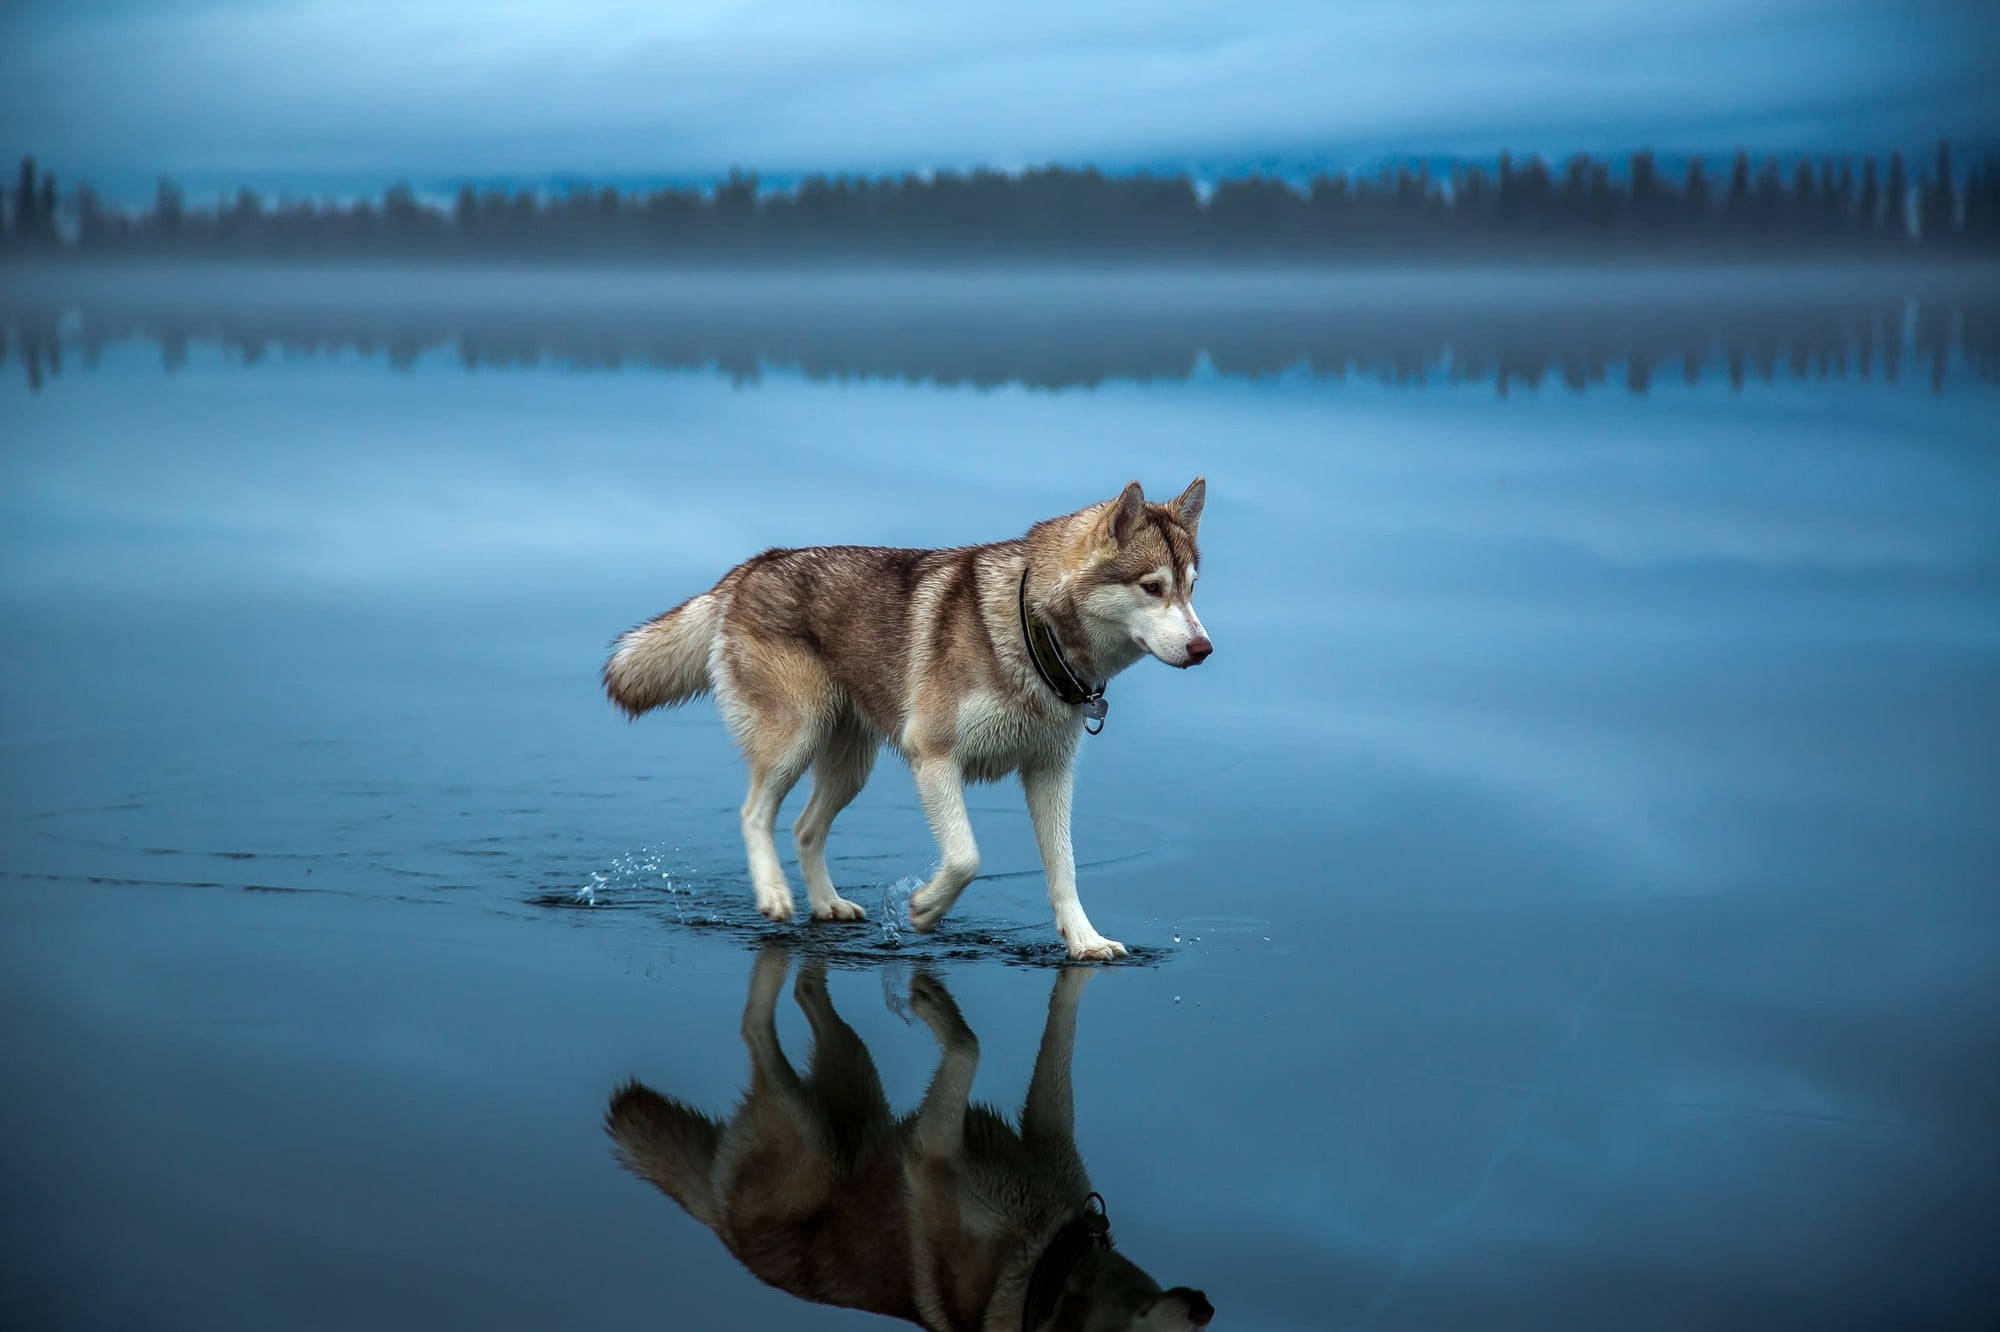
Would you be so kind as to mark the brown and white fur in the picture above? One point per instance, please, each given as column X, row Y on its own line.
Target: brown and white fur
column 939, row 1217
column 818, row 656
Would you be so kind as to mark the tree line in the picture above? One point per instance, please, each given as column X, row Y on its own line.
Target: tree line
column 1818, row 206
column 1929, row 338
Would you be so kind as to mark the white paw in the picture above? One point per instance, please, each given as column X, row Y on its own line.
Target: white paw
column 775, row 903
column 1095, row 947
column 926, row 910
column 838, row 909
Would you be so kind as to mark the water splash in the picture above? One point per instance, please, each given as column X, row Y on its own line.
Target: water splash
column 894, row 914
column 656, row 887
column 631, row 879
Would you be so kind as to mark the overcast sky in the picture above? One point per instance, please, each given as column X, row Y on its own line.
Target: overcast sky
column 270, row 91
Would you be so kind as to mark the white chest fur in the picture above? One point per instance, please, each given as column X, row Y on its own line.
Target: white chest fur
column 994, row 738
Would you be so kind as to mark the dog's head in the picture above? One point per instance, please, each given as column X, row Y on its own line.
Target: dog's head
column 1143, row 562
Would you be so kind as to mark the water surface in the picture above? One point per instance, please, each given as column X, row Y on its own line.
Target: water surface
column 1565, row 898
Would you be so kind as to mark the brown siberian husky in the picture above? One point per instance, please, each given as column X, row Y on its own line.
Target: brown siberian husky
column 947, row 1217
column 974, row 663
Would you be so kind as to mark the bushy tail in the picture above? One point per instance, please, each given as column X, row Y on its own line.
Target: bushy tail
column 668, row 1145
column 665, row 660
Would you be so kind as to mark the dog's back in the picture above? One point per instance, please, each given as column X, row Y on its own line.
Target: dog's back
column 843, row 618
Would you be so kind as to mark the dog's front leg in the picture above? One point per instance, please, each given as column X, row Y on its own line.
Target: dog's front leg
column 941, row 787
column 1048, row 788
column 1048, row 1117
column 940, row 1121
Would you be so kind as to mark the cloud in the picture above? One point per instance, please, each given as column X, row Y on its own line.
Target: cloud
column 615, row 86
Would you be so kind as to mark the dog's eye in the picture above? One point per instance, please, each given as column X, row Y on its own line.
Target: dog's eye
column 1152, row 587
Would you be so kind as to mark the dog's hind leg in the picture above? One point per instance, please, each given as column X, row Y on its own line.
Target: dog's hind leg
column 775, row 1166
column 941, row 787
column 839, row 773
column 841, row 1078
column 770, row 783
column 780, row 704
column 768, row 1065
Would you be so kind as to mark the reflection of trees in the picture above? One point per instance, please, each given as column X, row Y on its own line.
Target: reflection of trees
column 1067, row 345
column 32, row 336
column 1821, row 206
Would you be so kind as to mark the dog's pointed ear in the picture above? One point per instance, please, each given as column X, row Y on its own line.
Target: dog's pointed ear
column 1187, row 505
column 1121, row 520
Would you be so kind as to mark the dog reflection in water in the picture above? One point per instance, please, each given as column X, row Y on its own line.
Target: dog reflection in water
column 947, row 1217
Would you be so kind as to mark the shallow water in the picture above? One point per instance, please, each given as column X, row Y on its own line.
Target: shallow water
column 1567, row 896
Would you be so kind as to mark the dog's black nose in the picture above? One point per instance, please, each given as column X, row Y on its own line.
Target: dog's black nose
column 1198, row 650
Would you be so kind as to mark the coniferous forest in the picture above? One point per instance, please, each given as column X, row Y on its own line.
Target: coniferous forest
column 1821, row 207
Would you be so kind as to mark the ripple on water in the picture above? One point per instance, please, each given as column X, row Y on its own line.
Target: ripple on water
column 673, row 889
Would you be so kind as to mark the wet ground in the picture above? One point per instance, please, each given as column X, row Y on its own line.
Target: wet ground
column 1566, row 898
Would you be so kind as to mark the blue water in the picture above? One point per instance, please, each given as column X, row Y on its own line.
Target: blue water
column 1566, row 898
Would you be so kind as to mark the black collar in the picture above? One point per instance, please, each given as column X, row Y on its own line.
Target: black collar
column 1054, row 668
column 1089, row 1229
